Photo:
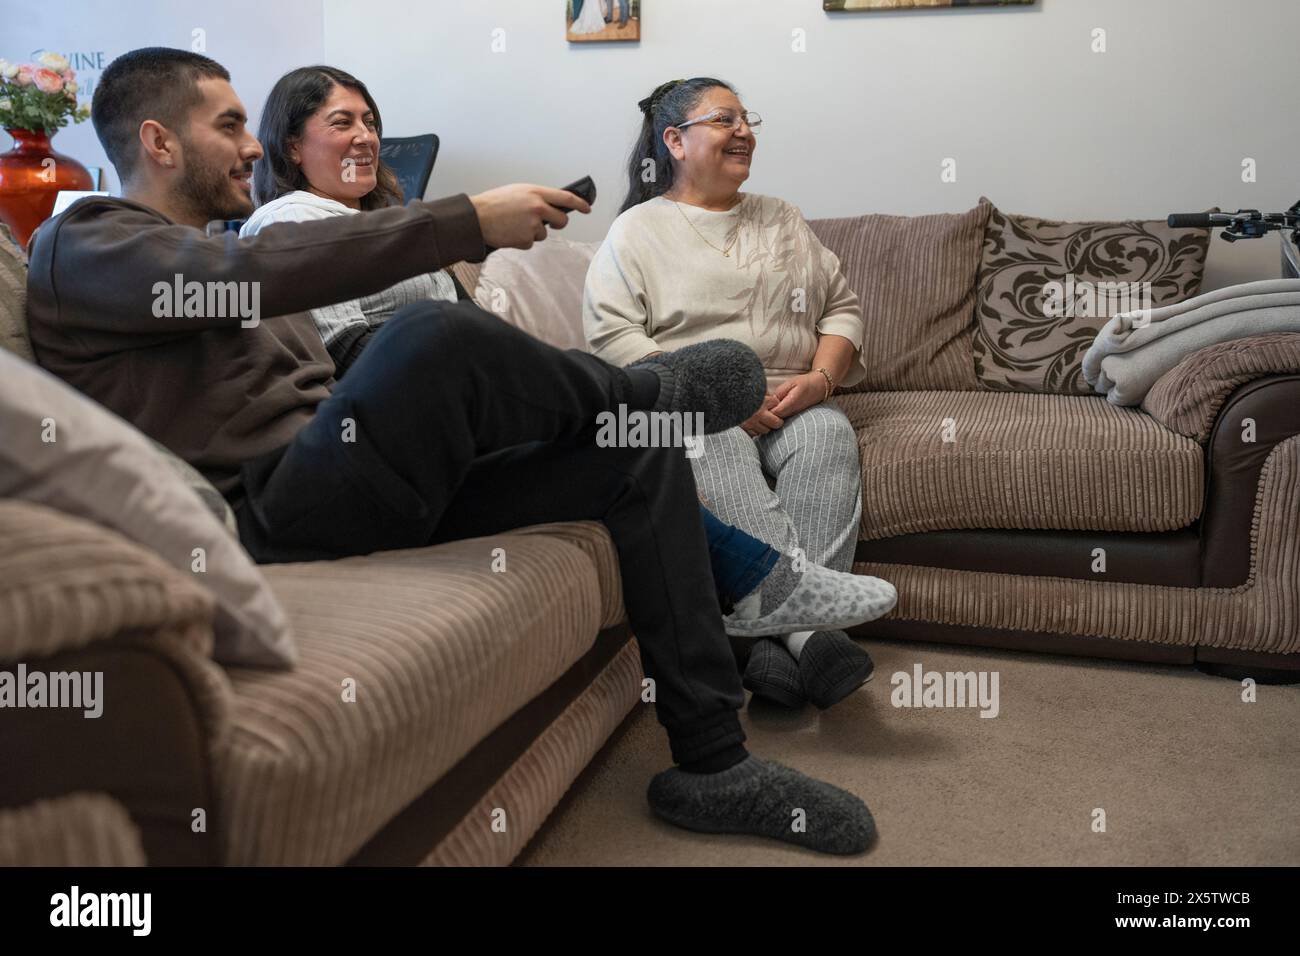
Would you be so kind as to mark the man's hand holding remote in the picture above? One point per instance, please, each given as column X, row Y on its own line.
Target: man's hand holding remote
column 517, row 215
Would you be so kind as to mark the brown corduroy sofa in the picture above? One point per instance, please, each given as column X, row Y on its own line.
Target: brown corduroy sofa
column 440, row 707
column 1030, row 516
column 1037, row 520
column 481, row 696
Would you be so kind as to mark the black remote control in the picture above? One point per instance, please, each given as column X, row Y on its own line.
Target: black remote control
column 584, row 187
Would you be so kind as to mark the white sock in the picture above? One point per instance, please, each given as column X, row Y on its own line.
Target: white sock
column 794, row 642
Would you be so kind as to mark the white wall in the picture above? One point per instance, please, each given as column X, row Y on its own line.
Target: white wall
column 862, row 120
column 92, row 33
column 858, row 123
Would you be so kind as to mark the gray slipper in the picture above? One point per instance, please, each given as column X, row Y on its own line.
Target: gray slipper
column 822, row 600
column 722, row 378
column 764, row 798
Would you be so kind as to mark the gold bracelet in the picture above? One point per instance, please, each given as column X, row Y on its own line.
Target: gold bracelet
column 830, row 382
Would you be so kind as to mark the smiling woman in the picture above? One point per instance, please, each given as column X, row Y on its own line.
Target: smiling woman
column 692, row 258
column 320, row 131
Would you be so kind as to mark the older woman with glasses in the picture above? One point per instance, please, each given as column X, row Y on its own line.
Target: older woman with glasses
column 691, row 258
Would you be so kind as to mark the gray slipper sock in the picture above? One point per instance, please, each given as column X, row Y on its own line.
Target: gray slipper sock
column 721, row 378
column 763, row 798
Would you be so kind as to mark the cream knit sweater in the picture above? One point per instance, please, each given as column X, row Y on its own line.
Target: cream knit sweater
column 656, row 284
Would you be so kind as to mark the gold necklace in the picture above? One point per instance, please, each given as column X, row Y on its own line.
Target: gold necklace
column 725, row 251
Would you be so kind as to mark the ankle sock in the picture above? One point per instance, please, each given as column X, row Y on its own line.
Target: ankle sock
column 718, row 761
column 771, row 592
column 794, row 642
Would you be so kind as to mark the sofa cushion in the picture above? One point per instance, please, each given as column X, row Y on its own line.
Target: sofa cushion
column 1258, row 616
column 442, row 649
column 64, row 451
column 915, row 279
column 1031, row 336
column 13, row 297
column 946, row 460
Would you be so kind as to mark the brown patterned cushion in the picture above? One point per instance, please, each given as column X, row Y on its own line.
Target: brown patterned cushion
column 13, row 297
column 1020, row 348
column 915, row 278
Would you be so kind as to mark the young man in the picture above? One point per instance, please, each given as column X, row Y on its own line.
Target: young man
column 451, row 425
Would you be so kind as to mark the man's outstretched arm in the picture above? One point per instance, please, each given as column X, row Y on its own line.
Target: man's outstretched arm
column 96, row 267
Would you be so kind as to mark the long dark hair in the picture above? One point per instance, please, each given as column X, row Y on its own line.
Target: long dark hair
column 295, row 97
column 667, row 106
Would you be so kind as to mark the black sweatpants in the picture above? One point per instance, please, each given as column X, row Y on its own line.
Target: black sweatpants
column 453, row 424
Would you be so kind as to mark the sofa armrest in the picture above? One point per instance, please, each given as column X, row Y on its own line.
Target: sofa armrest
column 77, row 829
column 66, row 582
column 109, row 648
column 1188, row 398
column 1250, row 424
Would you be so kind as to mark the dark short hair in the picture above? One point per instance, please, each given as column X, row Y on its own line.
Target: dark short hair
column 152, row 83
column 293, row 100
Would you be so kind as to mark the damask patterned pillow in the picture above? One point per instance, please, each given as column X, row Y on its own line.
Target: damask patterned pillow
column 1045, row 289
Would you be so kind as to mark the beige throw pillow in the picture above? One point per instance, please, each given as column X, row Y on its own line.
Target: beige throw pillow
column 539, row 290
column 64, row 451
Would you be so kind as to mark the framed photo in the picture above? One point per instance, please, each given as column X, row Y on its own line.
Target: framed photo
column 588, row 21
column 831, row 5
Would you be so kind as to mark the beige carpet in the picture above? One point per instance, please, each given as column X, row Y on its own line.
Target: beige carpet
column 1185, row 771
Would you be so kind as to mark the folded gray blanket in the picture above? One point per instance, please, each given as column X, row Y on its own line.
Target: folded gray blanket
column 1134, row 349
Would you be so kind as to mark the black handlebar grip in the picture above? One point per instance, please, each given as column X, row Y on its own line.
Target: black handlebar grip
column 1189, row 220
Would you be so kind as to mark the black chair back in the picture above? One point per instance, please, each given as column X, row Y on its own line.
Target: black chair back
column 411, row 159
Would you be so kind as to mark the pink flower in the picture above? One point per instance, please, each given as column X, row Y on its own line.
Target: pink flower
column 46, row 80
column 69, row 74
column 24, row 77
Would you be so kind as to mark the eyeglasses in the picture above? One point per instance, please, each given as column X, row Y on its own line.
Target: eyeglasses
column 725, row 119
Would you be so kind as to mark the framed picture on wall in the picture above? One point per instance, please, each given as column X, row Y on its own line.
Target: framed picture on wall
column 916, row 4
column 595, row 20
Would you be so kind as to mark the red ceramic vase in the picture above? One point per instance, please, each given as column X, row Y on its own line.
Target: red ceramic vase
column 31, row 175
